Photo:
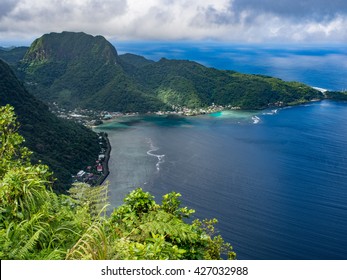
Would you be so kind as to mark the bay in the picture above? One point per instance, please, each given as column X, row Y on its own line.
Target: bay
column 276, row 180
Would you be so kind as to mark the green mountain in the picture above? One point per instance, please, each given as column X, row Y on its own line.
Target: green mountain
column 79, row 70
column 76, row 69
column 12, row 55
column 187, row 83
column 63, row 145
column 336, row 95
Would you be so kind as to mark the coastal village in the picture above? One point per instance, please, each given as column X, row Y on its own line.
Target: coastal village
column 92, row 118
column 96, row 173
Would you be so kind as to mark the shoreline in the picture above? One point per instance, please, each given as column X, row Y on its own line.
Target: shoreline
column 105, row 163
column 201, row 111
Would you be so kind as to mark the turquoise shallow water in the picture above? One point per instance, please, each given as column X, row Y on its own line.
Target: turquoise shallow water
column 276, row 179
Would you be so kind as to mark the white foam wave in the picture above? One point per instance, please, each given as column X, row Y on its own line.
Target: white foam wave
column 159, row 157
column 255, row 119
column 322, row 90
column 272, row 112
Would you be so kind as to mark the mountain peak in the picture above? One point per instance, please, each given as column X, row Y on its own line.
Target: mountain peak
column 68, row 46
column 69, row 67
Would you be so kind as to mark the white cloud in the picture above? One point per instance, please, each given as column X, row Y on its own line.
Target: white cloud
column 228, row 20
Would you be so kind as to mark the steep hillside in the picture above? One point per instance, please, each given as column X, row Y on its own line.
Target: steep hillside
column 69, row 67
column 76, row 69
column 12, row 55
column 336, row 95
column 129, row 61
column 64, row 146
column 180, row 82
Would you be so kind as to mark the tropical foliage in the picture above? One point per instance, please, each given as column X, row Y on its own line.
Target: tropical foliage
column 79, row 70
column 187, row 83
column 337, row 95
column 13, row 55
column 64, row 146
column 36, row 223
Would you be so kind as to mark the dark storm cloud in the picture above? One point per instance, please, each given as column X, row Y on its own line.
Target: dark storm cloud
column 6, row 6
column 247, row 11
column 209, row 15
column 317, row 10
column 219, row 17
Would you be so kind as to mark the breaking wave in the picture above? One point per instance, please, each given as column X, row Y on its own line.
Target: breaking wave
column 255, row 119
column 151, row 151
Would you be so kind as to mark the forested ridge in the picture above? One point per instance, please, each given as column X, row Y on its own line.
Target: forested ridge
column 190, row 84
column 63, row 145
column 336, row 95
column 80, row 70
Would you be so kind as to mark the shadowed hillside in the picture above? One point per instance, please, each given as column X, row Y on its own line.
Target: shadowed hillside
column 63, row 145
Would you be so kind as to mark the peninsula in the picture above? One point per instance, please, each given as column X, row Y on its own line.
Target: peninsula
column 77, row 70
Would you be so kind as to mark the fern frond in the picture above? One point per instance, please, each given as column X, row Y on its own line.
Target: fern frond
column 168, row 225
column 23, row 252
column 93, row 244
column 95, row 197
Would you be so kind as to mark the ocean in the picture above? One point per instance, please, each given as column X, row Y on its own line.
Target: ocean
column 276, row 179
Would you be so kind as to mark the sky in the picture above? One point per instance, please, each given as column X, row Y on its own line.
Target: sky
column 237, row 21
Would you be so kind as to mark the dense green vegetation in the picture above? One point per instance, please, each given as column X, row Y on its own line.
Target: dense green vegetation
column 36, row 223
column 76, row 69
column 79, row 70
column 337, row 95
column 177, row 82
column 13, row 55
column 63, row 145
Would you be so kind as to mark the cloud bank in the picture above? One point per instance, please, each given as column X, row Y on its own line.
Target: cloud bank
column 242, row 21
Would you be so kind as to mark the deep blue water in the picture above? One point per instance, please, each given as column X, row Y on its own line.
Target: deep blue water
column 316, row 65
column 276, row 183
